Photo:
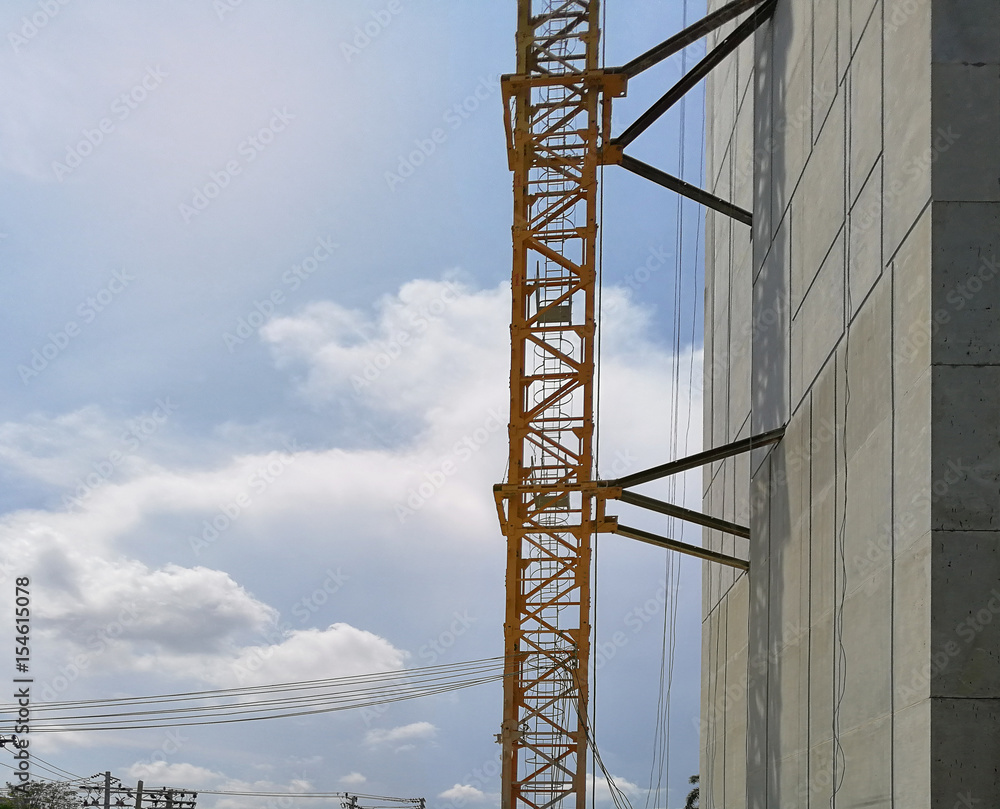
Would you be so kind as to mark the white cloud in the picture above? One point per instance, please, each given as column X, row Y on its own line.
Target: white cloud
column 416, row 731
column 463, row 793
column 353, row 779
column 191, row 776
column 340, row 650
column 601, row 789
column 197, row 621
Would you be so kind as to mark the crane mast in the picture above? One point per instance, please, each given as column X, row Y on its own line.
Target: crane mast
column 547, row 504
column 557, row 112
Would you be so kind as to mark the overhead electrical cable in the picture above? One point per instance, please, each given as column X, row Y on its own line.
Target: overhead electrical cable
column 224, row 706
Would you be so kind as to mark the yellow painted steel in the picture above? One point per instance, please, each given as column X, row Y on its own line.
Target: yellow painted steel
column 549, row 506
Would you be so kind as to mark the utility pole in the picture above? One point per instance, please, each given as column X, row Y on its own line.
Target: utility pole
column 138, row 795
column 107, row 790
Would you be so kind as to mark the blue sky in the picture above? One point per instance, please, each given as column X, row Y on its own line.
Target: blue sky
column 254, row 262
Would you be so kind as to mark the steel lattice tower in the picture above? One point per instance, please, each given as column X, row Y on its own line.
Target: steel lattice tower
column 553, row 121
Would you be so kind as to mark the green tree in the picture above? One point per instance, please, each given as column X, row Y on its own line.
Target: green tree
column 40, row 795
column 694, row 795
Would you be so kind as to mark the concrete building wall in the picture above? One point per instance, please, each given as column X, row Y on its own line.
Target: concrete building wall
column 861, row 654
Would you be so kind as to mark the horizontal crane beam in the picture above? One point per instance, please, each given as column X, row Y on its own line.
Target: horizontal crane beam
column 700, row 459
column 688, row 36
column 681, row 547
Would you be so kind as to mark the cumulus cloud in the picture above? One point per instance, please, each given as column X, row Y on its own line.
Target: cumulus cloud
column 463, row 793
column 403, row 735
column 601, row 789
column 162, row 772
column 340, row 650
column 437, row 349
column 353, row 779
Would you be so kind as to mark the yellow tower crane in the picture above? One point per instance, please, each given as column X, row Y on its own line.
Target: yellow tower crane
column 558, row 117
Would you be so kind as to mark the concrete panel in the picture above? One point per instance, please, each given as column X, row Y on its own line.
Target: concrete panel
column 818, row 206
column 758, row 643
column 907, row 120
column 966, row 448
column 843, row 39
column 965, row 749
column 795, row 446
column 822, row 558
column 869, row 369
column 792, row 773
column 825, row 428
column 965, row 636
column 818, row 790
column 861, row 14
column 966, row 31
column 736, row 714
column 966, row 120
column 819, row 323
column 743, row 138
column 865, row 254
column 713, row 714
column 911, row 624
column 868, row 538
column 718, row 367
column 770, row 338
column 911, row 756
column 711, row 160
column 867, row 766
column 760, row 484
column 912, row 464
column 911, row 311
column 825, row 79
column 740, row 358
column 821, row 684
column 742, row 469
column 791, row 96
column 867, row 639
column 764, row 144
column 865, row 128
column 789, row 613
column 966, row 282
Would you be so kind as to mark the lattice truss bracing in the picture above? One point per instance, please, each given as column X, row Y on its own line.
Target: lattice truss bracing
column 553, row 111
column 558, row 116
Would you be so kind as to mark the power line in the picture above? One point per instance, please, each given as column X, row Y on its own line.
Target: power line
column 253, row 703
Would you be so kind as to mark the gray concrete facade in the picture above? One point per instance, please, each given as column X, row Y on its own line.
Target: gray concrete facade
column 859, row 659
